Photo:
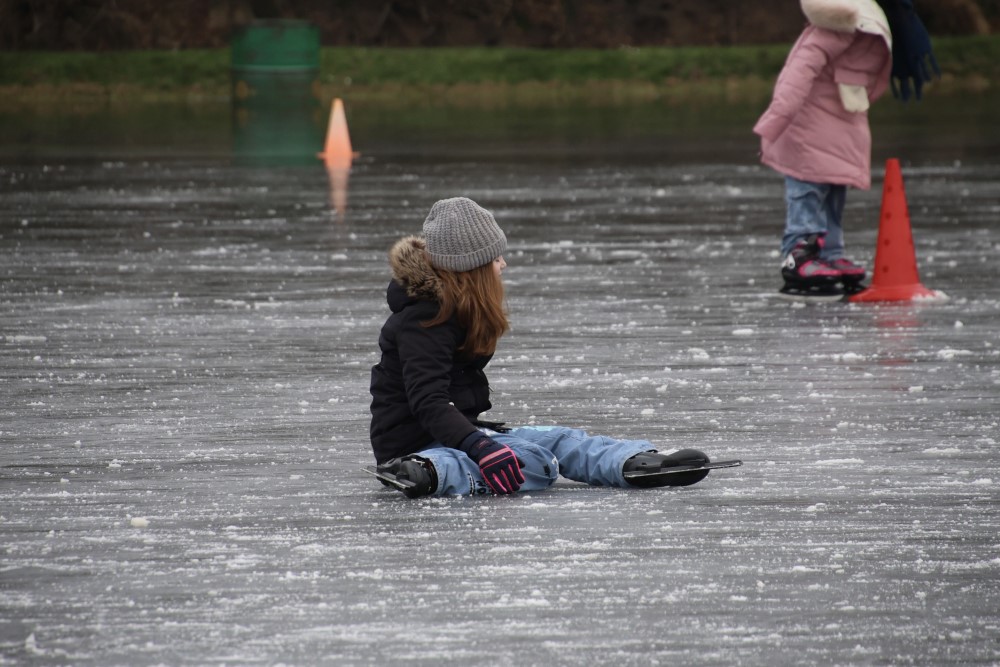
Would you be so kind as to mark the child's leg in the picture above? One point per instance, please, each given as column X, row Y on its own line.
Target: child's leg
column 833, row 213
column 805, row 214
column 458, row 475
column 596, row 460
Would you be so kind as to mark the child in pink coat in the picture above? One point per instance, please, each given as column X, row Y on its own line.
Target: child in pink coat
column 816, row 133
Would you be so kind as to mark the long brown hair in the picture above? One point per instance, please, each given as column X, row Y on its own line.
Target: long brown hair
column 476, row 297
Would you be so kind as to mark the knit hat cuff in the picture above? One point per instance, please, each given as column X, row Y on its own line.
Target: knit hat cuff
column 471, row 260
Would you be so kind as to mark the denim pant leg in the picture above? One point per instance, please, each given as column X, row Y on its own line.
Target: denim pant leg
column 833, row 210
column 813, row 208
column 458, row 475
column 592, row 459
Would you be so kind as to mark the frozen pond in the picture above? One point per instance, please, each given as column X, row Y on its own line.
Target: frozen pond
column 185, row 340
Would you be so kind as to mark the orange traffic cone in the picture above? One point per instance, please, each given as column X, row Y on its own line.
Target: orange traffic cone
column 337, row 151
column 895, row 276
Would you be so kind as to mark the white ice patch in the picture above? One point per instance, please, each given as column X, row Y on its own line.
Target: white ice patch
column 942, row 450
column 236, row 303
column 947, row 354
column 934, row 296
column 31, row 646
column 211, row 252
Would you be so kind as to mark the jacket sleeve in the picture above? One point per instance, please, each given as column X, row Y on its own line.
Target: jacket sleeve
column 426, row 355
column 810, row 55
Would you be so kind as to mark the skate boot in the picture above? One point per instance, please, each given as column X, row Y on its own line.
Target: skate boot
column 651, row 469
column 807, row 277
column 851, row 274
column 413, row 475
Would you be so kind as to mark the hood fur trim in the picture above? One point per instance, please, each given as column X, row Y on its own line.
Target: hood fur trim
column 411, row 268
column 848, row 16
column 837, row 15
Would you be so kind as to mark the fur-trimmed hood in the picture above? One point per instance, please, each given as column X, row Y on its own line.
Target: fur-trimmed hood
column 848, row 16
column 412, row 270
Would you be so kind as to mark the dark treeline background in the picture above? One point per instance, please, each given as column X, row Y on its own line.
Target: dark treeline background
column 101, row 25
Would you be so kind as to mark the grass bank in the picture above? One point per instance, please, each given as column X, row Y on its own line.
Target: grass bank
column 452, row 76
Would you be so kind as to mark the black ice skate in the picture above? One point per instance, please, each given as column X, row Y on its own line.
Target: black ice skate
column 851, row 274
column 681, row 468
column 412, row 475
column 807, row 277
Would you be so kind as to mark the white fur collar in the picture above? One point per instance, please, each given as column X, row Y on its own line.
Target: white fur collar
column 848, row 16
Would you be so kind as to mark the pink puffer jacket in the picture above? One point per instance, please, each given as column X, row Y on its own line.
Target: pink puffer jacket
column 806, row 131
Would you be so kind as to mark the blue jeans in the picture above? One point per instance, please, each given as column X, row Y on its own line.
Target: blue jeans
column 546, row 452
column 814, row 208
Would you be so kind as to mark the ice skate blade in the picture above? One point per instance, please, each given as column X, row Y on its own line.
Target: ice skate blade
column 389, row 478
column 827, row 294
column 854, row 287
column 673, row 470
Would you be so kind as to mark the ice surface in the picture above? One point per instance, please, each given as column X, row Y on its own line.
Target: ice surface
column 184, row 358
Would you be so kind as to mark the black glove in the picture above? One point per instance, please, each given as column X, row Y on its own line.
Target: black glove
column 497, row 463
column 911, row 49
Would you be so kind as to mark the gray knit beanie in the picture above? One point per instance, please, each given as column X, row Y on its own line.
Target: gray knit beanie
column 461, row 235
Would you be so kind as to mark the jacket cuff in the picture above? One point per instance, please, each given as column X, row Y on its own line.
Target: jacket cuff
column 471, row 439
column 772, row 128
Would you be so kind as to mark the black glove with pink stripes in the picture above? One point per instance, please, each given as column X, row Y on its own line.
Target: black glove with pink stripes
column 497, row 463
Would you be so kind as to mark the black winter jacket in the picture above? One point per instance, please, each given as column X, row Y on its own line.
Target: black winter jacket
column 423, row 390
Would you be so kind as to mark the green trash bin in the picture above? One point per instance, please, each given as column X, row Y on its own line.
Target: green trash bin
column 276, row 112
